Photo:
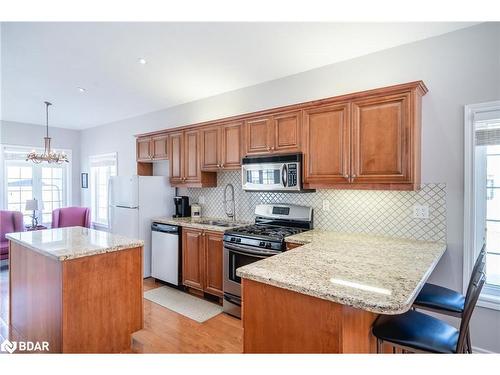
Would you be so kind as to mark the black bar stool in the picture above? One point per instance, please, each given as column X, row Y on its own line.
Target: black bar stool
column 417, row 332
column 447, row 301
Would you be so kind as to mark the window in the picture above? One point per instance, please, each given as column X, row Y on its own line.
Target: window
column 48, row 183
column 102, row 167
column 482, row 196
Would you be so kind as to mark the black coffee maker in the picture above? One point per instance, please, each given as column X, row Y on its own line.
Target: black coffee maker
column 182, row 207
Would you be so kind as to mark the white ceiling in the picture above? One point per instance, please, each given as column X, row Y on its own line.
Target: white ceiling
column 185, row 62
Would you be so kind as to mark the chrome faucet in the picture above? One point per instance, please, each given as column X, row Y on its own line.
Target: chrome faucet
column 229, row 213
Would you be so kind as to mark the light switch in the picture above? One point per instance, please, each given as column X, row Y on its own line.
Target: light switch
column 326, row 205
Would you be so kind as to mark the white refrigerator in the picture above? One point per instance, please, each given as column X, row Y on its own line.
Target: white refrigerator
column 133, row 202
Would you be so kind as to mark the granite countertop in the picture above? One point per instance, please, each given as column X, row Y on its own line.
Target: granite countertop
column 373, row 273
column 73, row 242
column 196, row 223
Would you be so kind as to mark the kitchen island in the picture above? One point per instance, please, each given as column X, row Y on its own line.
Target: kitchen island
column 323, row 296
column 77, row 289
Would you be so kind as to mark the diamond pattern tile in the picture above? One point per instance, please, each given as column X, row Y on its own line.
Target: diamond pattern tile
column 376, row 212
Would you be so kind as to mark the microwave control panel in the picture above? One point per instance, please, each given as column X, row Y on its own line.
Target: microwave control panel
column 292, row 174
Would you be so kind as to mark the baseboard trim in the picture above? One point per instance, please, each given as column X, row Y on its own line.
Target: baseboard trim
column 475, row 349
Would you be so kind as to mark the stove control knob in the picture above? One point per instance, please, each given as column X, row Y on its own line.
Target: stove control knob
column 238, row 240
column 233, row 239
column 268, row 245
column 262, row 244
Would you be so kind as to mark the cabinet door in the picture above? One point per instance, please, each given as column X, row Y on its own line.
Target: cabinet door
column 257, row 136
column 213, row 263
column 160, row 147
column 176, row 165
column 192, row 165
column 231, row 145
column 192, row 258
column 380, row 145
column 326, row 146
column 287, row 128
column 143, row 146
column 210, row 148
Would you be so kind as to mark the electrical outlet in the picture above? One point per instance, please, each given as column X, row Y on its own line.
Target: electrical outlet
column 420, row 211
column 326, row 205
column 201, row 199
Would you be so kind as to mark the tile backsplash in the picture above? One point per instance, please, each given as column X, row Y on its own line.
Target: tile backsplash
column 365, row 211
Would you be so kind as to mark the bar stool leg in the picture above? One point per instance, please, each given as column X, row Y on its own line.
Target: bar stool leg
column 469, row 344
column 379, row 346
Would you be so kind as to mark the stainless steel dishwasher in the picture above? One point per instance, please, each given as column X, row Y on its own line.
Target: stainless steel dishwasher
column 166, row 253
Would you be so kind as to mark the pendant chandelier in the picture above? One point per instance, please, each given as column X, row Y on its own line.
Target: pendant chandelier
column 49, row 155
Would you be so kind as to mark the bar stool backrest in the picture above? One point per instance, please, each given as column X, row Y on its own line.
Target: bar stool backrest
column 479, row 266
column 474, row 290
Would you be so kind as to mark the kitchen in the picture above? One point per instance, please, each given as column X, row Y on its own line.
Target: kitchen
column 293, row 202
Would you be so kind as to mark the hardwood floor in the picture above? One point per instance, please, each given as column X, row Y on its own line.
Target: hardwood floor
column 165, row 331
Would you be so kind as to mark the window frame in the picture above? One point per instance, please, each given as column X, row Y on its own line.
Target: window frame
column 490, row 296
column 37, row 191
column 93, row 159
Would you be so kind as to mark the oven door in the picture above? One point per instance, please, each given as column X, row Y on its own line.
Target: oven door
column 236, row 256
column 271, row 176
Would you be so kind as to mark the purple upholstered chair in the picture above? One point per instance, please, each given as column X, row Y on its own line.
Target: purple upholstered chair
column 71, row 217
column 10, row 222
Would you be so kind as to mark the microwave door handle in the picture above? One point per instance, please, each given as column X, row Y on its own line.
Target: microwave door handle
column 284, row 174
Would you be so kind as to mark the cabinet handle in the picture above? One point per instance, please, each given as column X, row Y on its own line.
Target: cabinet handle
column 354, row 175
column 222, row 165
column 269, row 149
column 272, row 148
column 346, row 176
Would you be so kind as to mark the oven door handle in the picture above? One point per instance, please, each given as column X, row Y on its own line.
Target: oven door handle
column 235, row 300
column 248, row 251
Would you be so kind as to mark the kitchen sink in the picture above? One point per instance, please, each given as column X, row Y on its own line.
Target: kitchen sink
column 217, row 223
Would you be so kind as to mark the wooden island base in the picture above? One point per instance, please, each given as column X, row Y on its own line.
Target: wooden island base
column 86, row 305
column 277, row 320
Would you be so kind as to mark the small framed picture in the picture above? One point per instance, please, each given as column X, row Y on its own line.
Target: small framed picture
column 85, row 180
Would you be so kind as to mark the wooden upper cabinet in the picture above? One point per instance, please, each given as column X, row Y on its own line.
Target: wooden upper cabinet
column 326, row 145
column 279, row 133
column 382, row 132
column 213, row 263
column 221, row 147
column 193, row 258
column 176, row 156
column 185, row 161
column 210, row 148
column 144, row 149
column 286, row 132
column 192, row 164
column 152, row 148
column 364, row 140
column 231, row 140
column 160, row 147
column 258, row 136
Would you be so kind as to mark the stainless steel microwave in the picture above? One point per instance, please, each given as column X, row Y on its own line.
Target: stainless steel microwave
column 272, row 173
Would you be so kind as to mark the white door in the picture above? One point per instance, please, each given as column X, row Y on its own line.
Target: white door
column 124, row 191
column 125, row 221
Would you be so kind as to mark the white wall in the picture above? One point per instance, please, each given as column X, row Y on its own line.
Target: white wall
column 20, row 134
column 458, row 68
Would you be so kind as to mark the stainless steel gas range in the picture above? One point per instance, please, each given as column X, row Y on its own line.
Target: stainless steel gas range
column 265, row 238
